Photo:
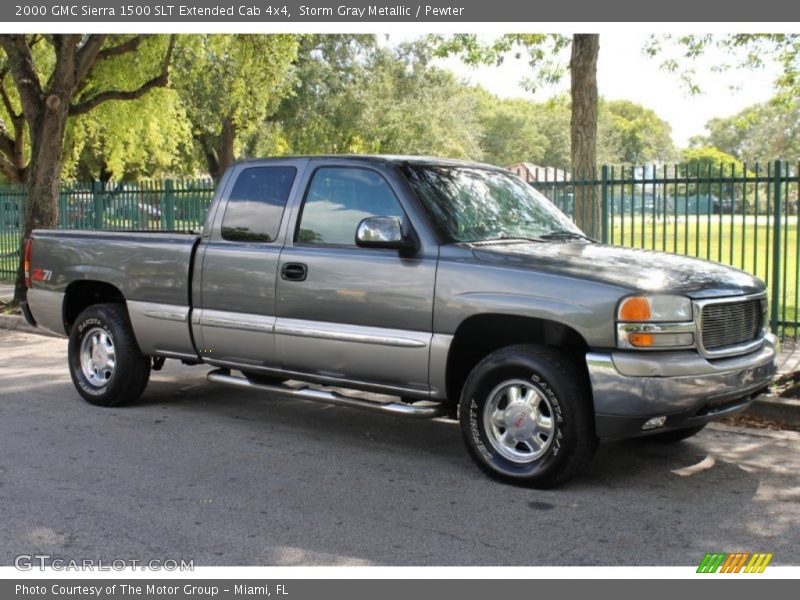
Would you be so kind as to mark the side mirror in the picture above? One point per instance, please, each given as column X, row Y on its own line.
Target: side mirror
column 383, row 232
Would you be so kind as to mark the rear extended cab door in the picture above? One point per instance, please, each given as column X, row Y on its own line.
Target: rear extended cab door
column 237, row 265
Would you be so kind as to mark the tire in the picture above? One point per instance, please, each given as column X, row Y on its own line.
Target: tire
column 101, row 333
column 550, row 385
column 676, row 435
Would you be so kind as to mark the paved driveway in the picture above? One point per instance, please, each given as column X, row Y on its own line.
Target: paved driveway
column 229, row 477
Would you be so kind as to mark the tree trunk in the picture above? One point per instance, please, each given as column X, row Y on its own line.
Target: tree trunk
column 219, row 149
column 44, row 175
column 583, row 128
column 225, row 147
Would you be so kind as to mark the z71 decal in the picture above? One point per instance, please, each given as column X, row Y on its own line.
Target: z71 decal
column 42, row 274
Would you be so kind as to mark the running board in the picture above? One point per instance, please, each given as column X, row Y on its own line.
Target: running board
column 420, row 410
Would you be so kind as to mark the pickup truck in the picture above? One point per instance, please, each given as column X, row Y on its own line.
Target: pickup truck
column 418, row 287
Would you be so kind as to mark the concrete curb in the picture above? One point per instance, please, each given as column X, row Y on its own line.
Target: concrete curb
column 775, row 408
column 18, row 323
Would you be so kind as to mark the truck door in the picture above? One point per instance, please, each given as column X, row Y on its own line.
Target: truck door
column 345, row 312
column 235, row 314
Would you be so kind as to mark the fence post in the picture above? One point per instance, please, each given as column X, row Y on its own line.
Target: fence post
column 169, row 205
column 63, row 217
column 604, row 204
column 97, row 196
column 776, row 247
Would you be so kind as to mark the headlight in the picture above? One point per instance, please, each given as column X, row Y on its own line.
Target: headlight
column 655, row 308
column 655, row 321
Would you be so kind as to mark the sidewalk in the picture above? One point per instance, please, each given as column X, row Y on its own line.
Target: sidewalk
column 6, row 291
column 789, row 358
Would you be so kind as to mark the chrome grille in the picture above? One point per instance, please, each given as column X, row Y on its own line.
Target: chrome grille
column 728, row 324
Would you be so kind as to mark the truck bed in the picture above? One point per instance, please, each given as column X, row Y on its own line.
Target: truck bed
column 143, row 265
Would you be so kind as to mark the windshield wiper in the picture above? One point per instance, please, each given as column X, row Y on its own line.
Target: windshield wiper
column 565, row 234
column 507, row 238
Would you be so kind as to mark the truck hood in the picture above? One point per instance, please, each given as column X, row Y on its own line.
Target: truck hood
column 637, row 270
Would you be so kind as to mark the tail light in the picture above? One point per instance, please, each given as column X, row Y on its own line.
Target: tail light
column 26, row 262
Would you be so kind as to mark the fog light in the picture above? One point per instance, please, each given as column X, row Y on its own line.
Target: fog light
column 654, row 423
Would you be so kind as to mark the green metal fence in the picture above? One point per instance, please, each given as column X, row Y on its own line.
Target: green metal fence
column 742, row 216
column 168, row 205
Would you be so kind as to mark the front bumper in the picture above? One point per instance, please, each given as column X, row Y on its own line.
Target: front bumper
column 629, row 388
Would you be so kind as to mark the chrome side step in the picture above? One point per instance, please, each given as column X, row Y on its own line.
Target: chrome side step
column 421, row 410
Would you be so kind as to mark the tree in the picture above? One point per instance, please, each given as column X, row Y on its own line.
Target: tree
column 743, row 50
column 763, row 132
column 552, row 119
column 229, row 85
column 413, row 108
column 707, row 157
column 629, row 133
column 354, row 96
column 324, row 111
column 541, row 51
column 53, row 78
column 583, row 127
column 511, row 130
column 148, row 137
column 539, row 132
column 707, row 161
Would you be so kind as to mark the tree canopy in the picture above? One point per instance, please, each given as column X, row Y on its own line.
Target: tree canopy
column 228, row 85
column 47, row 80
column 761, row 132
column 355, row 96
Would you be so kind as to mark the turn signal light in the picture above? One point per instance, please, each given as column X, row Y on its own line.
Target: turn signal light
column 641, row 340
column 636, row 308
column 26, row 262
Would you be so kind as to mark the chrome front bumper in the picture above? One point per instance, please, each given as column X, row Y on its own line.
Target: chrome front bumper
column 631, row 387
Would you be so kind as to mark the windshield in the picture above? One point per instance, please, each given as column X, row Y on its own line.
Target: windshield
column 472, row 204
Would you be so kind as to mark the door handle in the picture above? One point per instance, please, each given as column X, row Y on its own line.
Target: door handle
column 294, row 272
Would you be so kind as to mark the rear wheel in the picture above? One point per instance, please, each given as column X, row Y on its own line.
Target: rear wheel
column 676, row 435
column 105, row 362
column 526, row 416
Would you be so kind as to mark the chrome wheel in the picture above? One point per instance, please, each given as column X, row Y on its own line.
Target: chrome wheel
column 519, row 422
column 98, row 357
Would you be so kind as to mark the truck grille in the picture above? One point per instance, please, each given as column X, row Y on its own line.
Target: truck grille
column 732, row 323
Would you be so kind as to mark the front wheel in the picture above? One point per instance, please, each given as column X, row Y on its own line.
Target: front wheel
column 105, row 362
column 526, row 416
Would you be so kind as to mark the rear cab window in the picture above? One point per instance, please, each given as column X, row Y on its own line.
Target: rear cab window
column 256, row 203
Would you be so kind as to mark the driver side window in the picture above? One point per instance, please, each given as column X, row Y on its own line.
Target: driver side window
column 338, row 199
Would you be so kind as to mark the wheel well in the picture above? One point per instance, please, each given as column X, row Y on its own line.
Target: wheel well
column 82, row 294
column 480, row 335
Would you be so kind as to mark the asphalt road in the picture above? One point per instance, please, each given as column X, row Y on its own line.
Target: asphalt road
column 229, row 477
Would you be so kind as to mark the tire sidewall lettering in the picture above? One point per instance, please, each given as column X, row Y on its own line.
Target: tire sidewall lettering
column 475, row 429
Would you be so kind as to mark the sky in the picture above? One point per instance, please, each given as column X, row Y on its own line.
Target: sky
column 624, row 72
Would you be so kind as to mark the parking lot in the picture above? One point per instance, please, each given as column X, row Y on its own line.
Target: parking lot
column 230, row 477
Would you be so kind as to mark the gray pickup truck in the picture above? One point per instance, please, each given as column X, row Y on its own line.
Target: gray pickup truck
column 418, row 287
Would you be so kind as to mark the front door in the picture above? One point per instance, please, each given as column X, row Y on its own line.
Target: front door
column 344, row 312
